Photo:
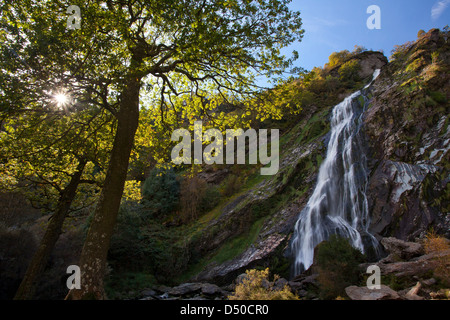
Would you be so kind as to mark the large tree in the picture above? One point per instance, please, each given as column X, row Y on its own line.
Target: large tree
column 183, row 57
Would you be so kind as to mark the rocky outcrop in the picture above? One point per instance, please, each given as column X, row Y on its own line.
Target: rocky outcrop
column 408, row 268
column 225, row 272
column 400, row 249
column 368, row 62
column 409, row 141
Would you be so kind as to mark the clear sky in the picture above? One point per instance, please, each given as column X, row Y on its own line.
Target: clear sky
column 335, row 25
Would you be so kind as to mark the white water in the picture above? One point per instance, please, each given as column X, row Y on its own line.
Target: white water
column 338, row 203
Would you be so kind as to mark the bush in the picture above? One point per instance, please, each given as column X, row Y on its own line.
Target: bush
column 196, row 197
column 231, row 185
column 349, row 71
column 257, row 286
column 338, row 265
column 437, row 244
column 161, row 191
column 17, row 247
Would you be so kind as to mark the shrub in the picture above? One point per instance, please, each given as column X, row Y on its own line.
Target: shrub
column 349, row 71
column 191, row 195
column 17, row 247
column 338, row 57
column 437, row 244
column 257, row 286
column 161, row 191
column 231, row 185
column 338, row 265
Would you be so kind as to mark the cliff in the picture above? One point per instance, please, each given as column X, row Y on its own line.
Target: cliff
column 406, row 126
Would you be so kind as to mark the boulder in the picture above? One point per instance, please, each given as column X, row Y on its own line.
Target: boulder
column 402, row 249
column 185, row 289
column 364, row 293
column 210, row 289
column 417, row 267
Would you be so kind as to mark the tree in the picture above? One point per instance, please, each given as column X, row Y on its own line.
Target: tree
column 338, row 265
column 48, row 165
column 184, row 57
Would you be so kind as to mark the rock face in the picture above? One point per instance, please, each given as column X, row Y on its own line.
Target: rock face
column 368, row 62
column 225, row 272
column 409, row 140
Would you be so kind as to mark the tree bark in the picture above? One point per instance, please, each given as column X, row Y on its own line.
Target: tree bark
column 40, row 259
column 95, row 249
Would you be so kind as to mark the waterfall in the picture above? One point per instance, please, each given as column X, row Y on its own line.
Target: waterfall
column 338, row 203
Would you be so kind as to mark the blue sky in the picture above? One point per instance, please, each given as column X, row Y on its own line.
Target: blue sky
column 335, row 25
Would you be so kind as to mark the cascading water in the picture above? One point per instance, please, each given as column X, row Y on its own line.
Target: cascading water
column 338, row 203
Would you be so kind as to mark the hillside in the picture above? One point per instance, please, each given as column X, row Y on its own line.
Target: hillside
column 243, row 220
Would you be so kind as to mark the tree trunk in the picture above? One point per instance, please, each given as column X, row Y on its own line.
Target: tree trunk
column 94, row 254
column 39, row 261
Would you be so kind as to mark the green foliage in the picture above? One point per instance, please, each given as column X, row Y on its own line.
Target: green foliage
column 338, row 58
column 161, row 191
column 349, row 71
column 210, row 199
column 337, row 262
column 141, row 244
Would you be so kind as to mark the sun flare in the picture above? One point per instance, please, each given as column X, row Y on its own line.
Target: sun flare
column 61, row 99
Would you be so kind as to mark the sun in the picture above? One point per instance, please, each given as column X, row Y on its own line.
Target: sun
column 61, row 99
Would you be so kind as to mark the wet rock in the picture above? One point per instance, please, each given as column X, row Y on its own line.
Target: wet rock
column 364, row 293
column 396, row 200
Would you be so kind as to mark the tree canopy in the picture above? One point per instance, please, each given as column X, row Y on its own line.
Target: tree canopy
column 180, row 58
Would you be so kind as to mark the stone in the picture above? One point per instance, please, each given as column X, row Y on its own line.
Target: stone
column 148, row 293
column 185, row 288
column 418, row 267
column 280, row 284
column 211, row 289
column 402, row 249
column 429, row 282
column 364, row 293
